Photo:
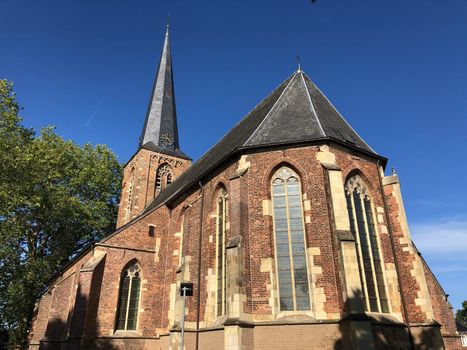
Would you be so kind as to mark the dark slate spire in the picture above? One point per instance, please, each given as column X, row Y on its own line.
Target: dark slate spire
column 160, row 131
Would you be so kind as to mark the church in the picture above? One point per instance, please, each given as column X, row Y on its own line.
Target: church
column 288, row 231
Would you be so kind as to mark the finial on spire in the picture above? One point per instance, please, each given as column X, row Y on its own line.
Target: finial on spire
column 299, row 64
column 167, row 23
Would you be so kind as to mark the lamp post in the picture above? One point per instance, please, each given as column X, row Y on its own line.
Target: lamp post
column 186, row 290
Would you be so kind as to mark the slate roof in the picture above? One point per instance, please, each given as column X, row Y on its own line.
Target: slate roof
column 460, row 327
column 160, row 125
column 295, row 112
column 303, row 113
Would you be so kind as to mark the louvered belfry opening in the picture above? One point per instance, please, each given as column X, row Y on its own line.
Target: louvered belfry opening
column 163, row 178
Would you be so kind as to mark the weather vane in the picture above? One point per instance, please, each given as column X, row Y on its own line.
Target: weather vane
column 299, row 63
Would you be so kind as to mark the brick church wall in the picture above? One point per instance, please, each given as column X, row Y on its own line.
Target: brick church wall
column 442, row 310
column 317, row 228
column 145, row 164
column 247, row 181
column 413, row 285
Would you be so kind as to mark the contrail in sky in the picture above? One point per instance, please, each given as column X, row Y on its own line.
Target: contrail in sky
column 97, row 108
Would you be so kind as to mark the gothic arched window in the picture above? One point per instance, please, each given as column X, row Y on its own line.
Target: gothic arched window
column 128, row 297
column 221, row 214
column 163, row 178
column 362, row 226
column 289, row 235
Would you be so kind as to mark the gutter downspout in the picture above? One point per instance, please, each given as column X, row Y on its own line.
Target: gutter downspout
column 198, row 296
column 393, row 248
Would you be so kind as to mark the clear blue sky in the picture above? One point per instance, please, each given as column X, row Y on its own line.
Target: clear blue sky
column 397, row 70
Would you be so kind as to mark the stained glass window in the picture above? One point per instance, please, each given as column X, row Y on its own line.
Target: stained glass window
column 362, row 226
column 290, row 241
column 220, row 228
column 128, row 299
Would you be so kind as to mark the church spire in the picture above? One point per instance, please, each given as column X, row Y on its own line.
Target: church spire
column 160, row 131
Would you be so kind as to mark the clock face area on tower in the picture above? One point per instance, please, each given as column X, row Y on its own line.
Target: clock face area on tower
column 167, row 140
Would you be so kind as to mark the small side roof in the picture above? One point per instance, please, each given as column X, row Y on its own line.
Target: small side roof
column 460, row 327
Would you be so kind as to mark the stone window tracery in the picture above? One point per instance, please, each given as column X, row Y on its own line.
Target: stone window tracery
column 128, row 299
column 164, row 178
column 221, row 215
column 362, row 226
column 289, row 235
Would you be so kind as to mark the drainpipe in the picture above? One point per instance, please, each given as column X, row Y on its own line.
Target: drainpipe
column 198, row 296
column 393, row 248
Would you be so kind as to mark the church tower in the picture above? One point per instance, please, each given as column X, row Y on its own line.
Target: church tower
column 158, row 160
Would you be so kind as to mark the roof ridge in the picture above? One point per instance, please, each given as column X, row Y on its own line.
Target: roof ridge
column 292, row 77
column 311, row 103
column 240, row 121
column 340, row 114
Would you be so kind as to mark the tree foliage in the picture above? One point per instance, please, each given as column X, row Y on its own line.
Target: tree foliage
column 461, row 314
column 55, row 198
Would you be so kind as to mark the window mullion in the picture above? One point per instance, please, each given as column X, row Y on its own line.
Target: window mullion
column 217, row 258
column 360, row 255
column 289, row 236
column 221, row 216
column 128, row 301
column 370, row 252
column 224, row 209
column 218, row 248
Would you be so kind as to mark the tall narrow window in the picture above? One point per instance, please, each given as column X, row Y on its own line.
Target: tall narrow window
column 129, row 205
column 362, row 225
column 163, row 178
column 128, row 299
column 220, row 228
column 290, row 241
column 182, row 233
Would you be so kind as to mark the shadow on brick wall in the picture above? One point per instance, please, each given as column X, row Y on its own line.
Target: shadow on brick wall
column 358, row 329
column 80, row 328
column 386, row 332
column 56, row 339
column 79, row 331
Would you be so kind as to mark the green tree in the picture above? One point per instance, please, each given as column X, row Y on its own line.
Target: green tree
column 461, row 314
column 55, row 198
